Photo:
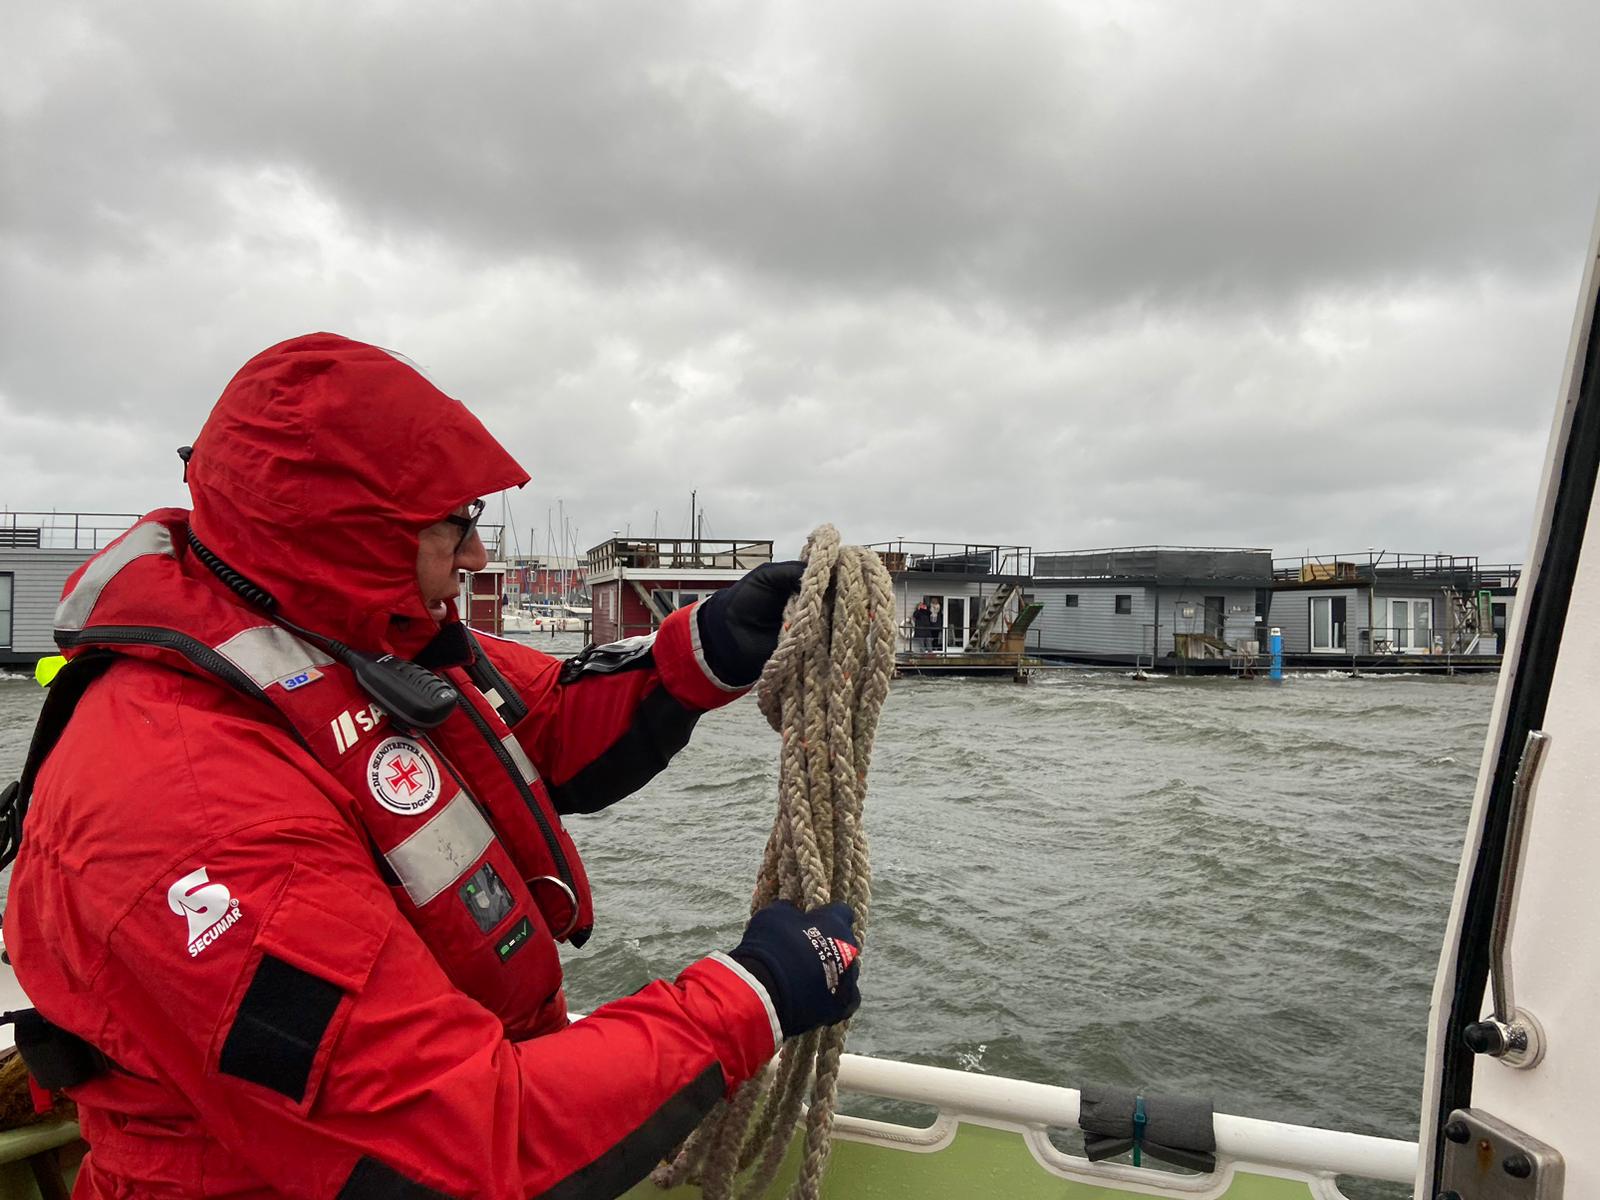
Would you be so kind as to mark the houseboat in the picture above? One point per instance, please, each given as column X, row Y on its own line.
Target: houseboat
column 635, row 583
column 37, row 553
column 1186, row 608
column 1380, row 609
column 961, row 608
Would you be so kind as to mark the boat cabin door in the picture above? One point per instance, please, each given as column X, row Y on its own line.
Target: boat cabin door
column 948, row 623
column 1513, row 1069
column 955, row 618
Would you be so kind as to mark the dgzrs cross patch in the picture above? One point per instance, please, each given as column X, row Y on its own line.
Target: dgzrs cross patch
column 402, row 777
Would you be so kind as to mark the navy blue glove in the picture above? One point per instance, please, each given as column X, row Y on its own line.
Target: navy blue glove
column 806, row 961
column 739, row 625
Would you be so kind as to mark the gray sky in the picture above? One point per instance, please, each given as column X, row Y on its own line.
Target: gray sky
column 1281, row 274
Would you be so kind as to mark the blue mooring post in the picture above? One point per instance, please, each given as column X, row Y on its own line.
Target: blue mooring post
column 1275, row 643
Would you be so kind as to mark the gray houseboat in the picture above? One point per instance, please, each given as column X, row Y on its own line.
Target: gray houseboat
column 974, row 601
column 1381, row 607
column 1183, row 607
column 37, row 553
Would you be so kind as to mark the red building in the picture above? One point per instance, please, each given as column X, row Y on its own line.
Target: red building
column 545, row 580
column 635, row 583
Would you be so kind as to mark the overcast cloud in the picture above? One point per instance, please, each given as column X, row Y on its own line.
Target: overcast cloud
column 1281, row 274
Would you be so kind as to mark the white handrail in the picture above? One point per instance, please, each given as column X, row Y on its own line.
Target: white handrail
column 1247, row 1139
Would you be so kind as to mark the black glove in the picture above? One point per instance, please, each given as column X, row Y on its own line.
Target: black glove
column 806, row 961
column 739, row 625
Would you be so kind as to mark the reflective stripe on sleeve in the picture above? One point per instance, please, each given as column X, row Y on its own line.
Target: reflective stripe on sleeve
column 700, row 654
column 734, row 965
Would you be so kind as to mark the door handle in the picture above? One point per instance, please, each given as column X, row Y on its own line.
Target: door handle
column 1511, row 1035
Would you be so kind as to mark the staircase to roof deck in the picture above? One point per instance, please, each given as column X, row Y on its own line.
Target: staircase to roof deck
column 991, row 632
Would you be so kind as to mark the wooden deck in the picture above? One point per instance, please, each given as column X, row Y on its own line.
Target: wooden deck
column 975, row 663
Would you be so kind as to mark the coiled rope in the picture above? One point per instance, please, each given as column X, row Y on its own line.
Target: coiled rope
column 822, row 690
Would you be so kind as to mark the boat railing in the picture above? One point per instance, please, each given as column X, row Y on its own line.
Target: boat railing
column 1034, row 1110
column 1189, row 564
column 679, row 554
column 62, row 530
column 955, row 558
column 1460, row 571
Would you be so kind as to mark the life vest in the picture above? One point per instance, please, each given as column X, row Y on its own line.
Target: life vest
column 461, row 825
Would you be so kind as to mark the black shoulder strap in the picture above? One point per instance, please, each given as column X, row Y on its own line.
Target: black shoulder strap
column 489, row 680
column 60, row 701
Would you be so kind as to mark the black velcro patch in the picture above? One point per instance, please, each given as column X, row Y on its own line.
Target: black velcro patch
column 281, row 1020
column 374, row 1180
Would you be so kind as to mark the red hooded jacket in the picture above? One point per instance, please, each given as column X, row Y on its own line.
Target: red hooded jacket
column 303, row 1033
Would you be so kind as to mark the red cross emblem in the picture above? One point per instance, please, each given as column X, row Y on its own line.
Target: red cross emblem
column 405, row 771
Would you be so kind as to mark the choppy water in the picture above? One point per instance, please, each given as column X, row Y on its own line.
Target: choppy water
column 1202, row 885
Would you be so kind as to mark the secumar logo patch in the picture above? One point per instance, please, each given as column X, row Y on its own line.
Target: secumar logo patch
column 402, row 777
column 209, row 907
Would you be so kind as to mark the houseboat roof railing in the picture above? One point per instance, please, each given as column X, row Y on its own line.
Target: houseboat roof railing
column 1245, row 564
column 956, row 558
column 1388, row 566
column 738, row 554
column 1499, row 575
column 492, row 536
column 94, row 530
column 62, row 530
column 549, row 562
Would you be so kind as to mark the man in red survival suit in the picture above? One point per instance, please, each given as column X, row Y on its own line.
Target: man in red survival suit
column 295, row 870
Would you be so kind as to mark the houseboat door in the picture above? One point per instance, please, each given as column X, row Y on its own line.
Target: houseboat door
column 948, row 630
column 955, row 616
column 1411, row 626
column 1327, row 624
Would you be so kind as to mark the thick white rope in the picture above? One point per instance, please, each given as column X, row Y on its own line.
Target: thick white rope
column 822, row 690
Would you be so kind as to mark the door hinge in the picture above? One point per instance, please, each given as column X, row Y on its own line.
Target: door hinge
column 1486, row 1159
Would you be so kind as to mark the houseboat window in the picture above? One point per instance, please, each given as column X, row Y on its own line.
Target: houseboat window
column 1125, row 603
column 1072, row 599
column 1327, row 622
column 670, row 599
column 5, row 610
column 1411, row 625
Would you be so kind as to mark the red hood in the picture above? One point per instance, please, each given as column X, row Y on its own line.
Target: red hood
column 320, row 465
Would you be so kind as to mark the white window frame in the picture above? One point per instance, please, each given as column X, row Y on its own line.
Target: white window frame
column 1337, row 642
column 1408, row 644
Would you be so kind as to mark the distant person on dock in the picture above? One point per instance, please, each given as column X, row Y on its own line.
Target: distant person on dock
column 921, row 625
column 295, row 871
column 935, row 626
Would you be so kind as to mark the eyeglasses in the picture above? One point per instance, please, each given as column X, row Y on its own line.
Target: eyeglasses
column 467, row 523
